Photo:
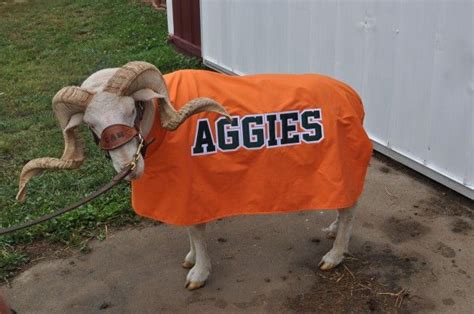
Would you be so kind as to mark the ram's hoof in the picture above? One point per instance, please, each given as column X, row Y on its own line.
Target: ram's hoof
column 187, row 265
column 326, row 265
column 193, row 285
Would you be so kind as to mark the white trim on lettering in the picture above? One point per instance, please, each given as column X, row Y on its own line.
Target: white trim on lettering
column 227, row 127
column 319, row 121
column 206, row 149
column 250, row 129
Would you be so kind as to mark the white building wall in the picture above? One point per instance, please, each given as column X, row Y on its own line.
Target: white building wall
column 169, row 16
column 411, row 61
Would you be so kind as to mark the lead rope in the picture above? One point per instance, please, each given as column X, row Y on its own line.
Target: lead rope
column 115, row 180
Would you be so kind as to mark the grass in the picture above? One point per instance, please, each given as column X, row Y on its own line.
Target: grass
column 45, row 45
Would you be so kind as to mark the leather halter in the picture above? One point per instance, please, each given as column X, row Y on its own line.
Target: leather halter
column 117, row 135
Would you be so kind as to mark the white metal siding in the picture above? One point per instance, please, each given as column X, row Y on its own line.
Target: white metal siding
column 411, row 61
column 169, row 16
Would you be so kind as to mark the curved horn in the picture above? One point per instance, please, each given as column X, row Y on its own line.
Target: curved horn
column 139, row 75
column 69, row 105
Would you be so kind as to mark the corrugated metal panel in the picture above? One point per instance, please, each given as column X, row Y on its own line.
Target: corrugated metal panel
column 411, row 61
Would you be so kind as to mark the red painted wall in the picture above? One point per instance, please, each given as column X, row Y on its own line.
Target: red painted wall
column 187, row 26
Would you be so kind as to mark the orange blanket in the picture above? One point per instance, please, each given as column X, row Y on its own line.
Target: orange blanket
column 296, row 142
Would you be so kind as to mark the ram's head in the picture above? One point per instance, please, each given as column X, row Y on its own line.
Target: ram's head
column 107, row 98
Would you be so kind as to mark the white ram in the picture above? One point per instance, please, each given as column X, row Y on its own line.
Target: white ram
column 108, row 97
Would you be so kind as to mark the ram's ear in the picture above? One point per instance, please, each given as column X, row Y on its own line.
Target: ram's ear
column 76, row 119
column 146, row 94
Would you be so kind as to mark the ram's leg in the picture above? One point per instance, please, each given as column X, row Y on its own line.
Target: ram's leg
column 331, row 231
column 341, row 245
column 199, row 273
column 190, row 258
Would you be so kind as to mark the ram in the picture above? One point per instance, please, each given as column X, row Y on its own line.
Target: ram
column 251, row 145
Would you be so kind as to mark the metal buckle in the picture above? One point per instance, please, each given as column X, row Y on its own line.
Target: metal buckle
column 136, row 156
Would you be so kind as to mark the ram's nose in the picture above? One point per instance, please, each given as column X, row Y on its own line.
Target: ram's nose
column 137, row 172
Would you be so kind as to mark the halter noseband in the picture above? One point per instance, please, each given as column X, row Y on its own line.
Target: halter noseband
column 116, row 135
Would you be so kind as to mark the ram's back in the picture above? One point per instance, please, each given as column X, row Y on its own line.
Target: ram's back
column 296, row 142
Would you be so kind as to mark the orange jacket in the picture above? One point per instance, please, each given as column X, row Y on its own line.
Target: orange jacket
column 296, row 142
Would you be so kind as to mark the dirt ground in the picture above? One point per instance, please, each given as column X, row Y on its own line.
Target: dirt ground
column 411, row 251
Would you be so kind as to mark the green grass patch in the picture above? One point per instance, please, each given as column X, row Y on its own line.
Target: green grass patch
column 45, row 45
